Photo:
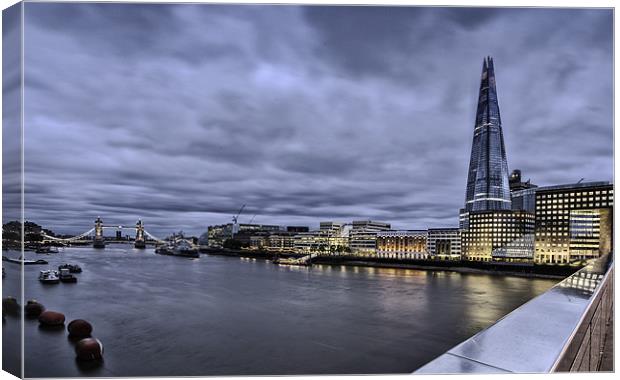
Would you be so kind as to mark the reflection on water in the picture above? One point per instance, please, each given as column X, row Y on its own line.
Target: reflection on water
column 162, row 315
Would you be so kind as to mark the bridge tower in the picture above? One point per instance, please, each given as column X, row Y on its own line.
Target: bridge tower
column 140, row 242
column 98, row 242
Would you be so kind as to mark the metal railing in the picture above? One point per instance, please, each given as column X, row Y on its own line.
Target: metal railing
column 563, row 329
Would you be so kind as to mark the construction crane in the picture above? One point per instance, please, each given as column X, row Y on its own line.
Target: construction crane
column 251, row 220
column 235, row 225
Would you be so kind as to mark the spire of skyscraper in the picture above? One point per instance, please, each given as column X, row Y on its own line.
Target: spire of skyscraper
column 487, row 182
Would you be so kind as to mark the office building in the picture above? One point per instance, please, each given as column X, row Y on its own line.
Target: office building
column 409, row 244
column 444, row 243
column 363, row 236
column 491, row 232
column 307, row 242
column 283, row 241
column 573, row 222
column 218, row 234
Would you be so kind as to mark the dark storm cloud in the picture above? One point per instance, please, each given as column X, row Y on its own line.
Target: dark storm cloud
column 179, row 114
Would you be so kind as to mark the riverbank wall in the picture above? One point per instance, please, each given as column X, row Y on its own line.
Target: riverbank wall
column 461, row 266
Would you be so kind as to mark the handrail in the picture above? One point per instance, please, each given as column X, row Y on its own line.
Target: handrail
column 548, row 333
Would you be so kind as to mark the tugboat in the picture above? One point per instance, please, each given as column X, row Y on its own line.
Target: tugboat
column 65, row 276
column 178, row 247
column 48, row 277
column 72, row 268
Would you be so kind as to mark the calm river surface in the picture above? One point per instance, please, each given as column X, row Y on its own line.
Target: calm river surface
column 162, row 315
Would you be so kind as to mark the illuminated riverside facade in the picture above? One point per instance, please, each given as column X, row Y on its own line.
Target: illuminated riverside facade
column 573, row 222
column 487, row 180
column 402, row 244
column 444, row 243
column 490, row 232
column 363, row 235
column 332, row 237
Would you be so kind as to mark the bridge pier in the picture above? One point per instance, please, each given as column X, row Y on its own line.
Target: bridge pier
column 140, row 242
column 98, row 241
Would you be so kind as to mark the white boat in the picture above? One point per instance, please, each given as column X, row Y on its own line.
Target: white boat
column 178, row 247
column 49, row 277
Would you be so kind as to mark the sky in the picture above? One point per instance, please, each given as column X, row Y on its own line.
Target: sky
column 179, row 114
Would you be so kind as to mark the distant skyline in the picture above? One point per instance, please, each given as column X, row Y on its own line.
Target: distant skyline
column 179, row 114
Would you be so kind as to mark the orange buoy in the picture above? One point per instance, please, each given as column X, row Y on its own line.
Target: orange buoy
column 79, row 328
column 89, row 349
column 33, row 309
column 52, row 318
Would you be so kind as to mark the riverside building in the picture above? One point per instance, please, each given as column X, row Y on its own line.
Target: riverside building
column 363, row 236
column 573, row 222
column 331, row 238
column 282, row 241
column 444, row 243
column 411, row 244
column 218, row 234
column 490, row 233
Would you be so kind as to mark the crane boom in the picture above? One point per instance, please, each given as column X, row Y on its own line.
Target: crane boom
column 238, row 213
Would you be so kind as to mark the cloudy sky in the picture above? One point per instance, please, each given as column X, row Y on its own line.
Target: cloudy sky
column 179, row 114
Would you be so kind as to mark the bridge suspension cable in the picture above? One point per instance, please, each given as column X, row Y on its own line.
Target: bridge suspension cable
column 77, row 237
column 154, row 237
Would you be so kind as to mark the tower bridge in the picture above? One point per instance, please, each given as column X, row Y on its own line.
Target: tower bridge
column 95, row 235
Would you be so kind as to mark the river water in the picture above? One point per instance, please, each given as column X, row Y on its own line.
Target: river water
column 215, row 315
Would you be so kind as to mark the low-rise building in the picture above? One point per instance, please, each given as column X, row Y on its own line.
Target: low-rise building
column 411, row 244
column 218, row 234
column 363, row 236
column 283, row 241
column 307, row 242
column 444, row 243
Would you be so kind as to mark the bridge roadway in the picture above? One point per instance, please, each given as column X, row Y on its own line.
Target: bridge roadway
column 566, row 329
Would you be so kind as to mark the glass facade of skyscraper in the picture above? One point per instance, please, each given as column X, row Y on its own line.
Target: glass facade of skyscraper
column 487, row 181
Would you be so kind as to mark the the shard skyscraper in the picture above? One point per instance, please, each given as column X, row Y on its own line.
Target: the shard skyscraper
column 487, row 182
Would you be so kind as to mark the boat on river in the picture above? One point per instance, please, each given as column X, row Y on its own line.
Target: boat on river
column 47, row 250
column 178, row 247
column 73, row 268
column 49, row 277
column 25, row 262
column 65, row 276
